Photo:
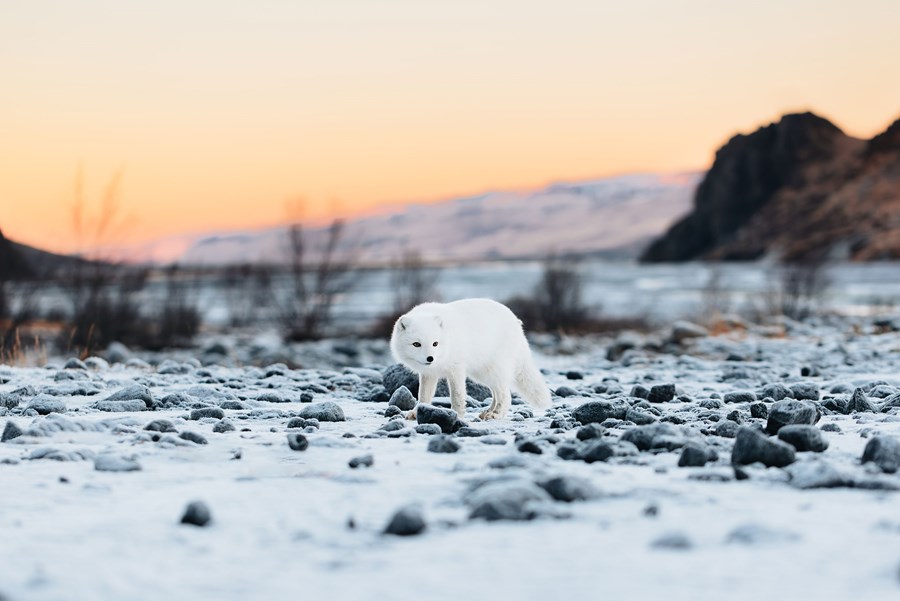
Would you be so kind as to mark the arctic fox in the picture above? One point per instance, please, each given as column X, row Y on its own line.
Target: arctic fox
column 475, row 337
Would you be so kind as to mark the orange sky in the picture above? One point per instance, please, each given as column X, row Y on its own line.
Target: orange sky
column 221, row 112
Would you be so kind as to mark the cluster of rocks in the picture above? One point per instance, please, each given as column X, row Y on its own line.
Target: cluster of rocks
column 752, row 420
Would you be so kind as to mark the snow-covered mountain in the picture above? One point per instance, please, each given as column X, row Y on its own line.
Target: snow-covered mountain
column 616, row 215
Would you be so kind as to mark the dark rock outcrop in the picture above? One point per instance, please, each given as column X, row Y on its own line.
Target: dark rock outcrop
column 800, row 188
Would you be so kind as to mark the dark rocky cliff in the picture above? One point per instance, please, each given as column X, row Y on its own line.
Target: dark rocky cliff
column 796, row 188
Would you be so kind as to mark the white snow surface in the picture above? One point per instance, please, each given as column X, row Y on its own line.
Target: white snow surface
column 281, row 518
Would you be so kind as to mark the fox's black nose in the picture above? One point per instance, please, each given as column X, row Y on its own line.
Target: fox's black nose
column 429, row 359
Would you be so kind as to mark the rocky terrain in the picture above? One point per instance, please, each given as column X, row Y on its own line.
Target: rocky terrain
column 755, row 463
column 799, row 188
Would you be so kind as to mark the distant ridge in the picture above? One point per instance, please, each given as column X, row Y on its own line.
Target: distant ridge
column 797, row 188
column 612, row 217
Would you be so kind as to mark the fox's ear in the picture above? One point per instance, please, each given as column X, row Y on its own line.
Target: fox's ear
column 402, row 324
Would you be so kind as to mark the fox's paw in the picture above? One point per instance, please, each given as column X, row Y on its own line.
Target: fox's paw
column 411, row 414
column 487, row 414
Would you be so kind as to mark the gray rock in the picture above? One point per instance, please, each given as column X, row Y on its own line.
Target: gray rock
column 569, row 488
column 428, row 429
column 596, row 412
column 10, row 431
column 883, row 391
column 447, row 419
column 407, row 521
column 117, row 352
column 170, row 367
column 890, row 402
column 674, row 541
column 759, row 410
column 743, row 396
column 61, row 454
column 398, row 375
column 223, row 426
column 803, row 438
column 506, row 500
column 776, row 392
column 11, row 400
column 193, row 437
column 593, row 450
column 530, row 446
column 160, row 425
column 565, row 392
column 109, row 462
column 785, row 413
column 328, row 411
column 120, row 406
column 45, row 404
column 297, row 441
column 74, row 363
column 392, row 410
column 624, row 342
column 393, row 426
column 96, row 363
column 442, row 444
column 362, row 461
column 685, row 330
column 639, row 417
column 884, row 451
column 589, row 431
column 203, row 412
column 859, row 403
column 197, row 513
column 639, row 392
column 756, row 534
column 644, row 437
column 272, row 397
column 403, row 399
column 726, row 429
column 836, row 405
column 376, row 395
column 299, row 422
column 805, row 391
column 132, row 393
column 662, row 393
column 696, row 454
column 753, row 446
column 817, row 474
column 176, row 399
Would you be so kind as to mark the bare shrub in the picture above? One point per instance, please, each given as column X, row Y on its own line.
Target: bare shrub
column 102, row 294
column 105, row 308
column 313, row 287
column 248, row 292
column 557, row 304
column 715, row 297
column 179, row 319
column 412, row 282
column 796, row 289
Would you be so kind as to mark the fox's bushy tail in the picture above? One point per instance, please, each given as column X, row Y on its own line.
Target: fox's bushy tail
column 530, row 383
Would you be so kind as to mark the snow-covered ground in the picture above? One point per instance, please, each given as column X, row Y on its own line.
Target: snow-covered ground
column 304, row 523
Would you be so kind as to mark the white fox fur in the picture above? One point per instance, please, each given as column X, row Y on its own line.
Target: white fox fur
column 477, row 338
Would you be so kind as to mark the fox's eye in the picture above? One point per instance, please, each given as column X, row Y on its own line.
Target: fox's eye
column 417, row 344
column 435, row 344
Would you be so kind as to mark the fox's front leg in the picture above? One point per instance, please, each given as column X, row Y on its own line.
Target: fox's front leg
column 457, row 382
column 427, row 386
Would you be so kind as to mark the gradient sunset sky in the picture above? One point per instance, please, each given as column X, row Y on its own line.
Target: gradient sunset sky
column 222, row 111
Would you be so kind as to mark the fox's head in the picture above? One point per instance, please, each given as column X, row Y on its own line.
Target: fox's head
column 417, row 340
